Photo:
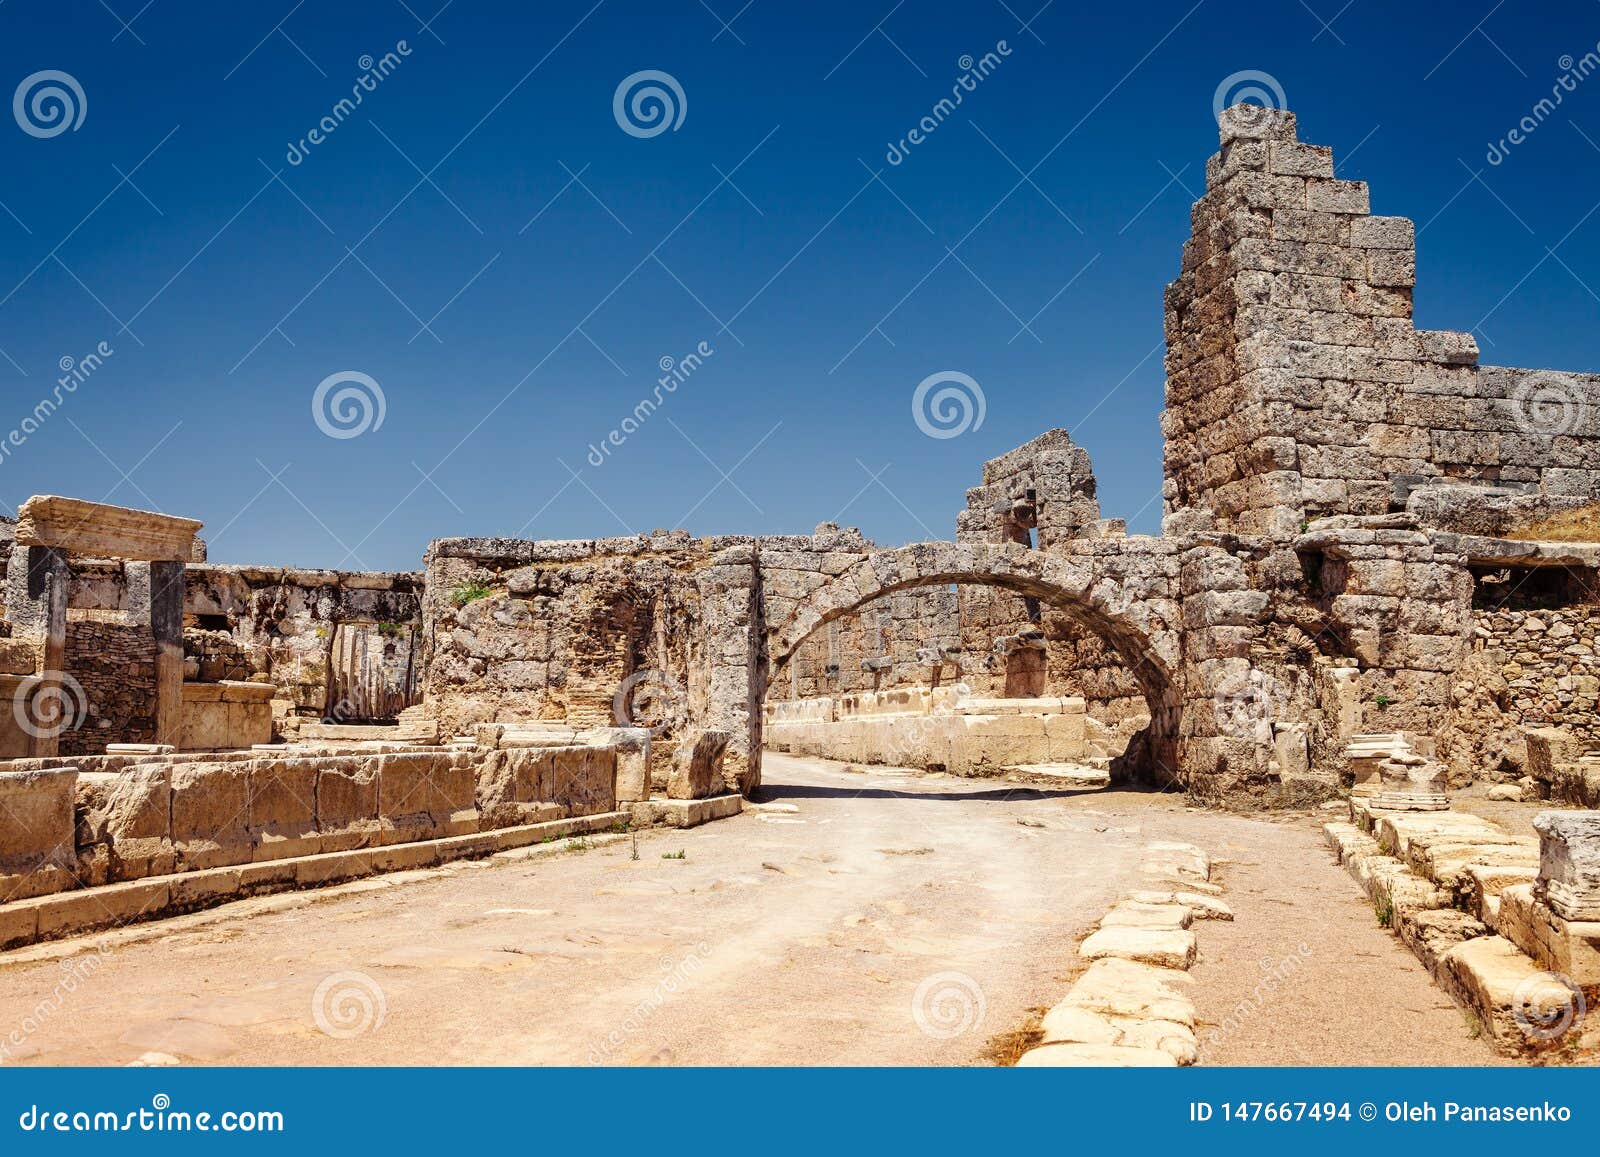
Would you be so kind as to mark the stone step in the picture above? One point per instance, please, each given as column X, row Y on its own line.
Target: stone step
column 1066, row 774
column 1520, row 1007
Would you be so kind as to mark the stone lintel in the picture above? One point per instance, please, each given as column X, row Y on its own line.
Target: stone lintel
column 99, row 530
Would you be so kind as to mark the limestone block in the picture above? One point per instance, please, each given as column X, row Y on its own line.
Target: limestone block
column 347, row 801
column 424, row 794
column 1569, row 863
column 1430, row 933
column 125, row 822
column 97, row 530
column 1173, row 859
column 1519, row 1006
column 697, row 765
column 1162, row 948
column 585, row 780
column 210, row 808
column 1136, row 914
column 1117, row 987
column 1571, row 948
column 1383, row 233
column 633, row 766
column 283, row 811
column 1069, row 1024
column 37, row 838
column 1200, row 907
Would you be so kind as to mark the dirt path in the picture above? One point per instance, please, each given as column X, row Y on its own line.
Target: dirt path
column 780, row 937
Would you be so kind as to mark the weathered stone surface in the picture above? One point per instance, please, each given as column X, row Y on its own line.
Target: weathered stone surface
column 1569, row 863
column 697, row 766
column 1159, row 947
column 96, row 530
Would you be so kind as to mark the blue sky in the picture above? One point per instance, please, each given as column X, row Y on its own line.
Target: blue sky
column 514, row 306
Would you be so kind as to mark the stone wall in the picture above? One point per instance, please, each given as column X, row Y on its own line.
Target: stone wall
column 104, row 819
column 593, row 633
column 1549, row 662
column 286, row 621
column 114, row 663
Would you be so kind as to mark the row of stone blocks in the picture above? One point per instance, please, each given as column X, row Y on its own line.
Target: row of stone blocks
column 1129, row 1008
column 87, row 910
column 1509, row 926
column 63, row 827
column 1052, row 731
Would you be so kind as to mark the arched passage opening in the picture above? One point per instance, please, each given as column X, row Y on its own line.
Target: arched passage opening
column 1128, row 608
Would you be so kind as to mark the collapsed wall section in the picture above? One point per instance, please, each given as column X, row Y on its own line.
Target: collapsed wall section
column 1297, row 384
column 652, row 631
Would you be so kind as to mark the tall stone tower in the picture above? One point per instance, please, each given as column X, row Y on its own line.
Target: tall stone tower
column 1297, row 386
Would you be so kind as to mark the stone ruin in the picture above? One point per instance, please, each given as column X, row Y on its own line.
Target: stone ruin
column 1377, row 571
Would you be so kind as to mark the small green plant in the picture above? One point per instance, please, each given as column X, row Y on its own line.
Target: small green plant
column 1385, row 911
column 680, row 854
column 469, row 593
column 635, row 855
column 1382, row 701
column 1474, row 1025
column 390, row 630
column 578, row 844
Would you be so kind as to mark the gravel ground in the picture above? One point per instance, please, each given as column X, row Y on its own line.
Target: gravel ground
column 865, row 918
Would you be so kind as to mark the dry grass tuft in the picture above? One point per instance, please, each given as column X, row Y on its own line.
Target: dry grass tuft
column 1006, row 1049
column 1581, row 525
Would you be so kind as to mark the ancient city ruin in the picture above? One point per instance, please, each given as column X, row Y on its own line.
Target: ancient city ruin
column 1377, row 582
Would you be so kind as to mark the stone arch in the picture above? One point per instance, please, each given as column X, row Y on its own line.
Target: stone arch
column 1128, row 605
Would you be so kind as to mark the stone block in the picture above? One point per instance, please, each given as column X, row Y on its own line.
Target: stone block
column 37, row 835
column 109, row 907
column 283, row 811
column 697, row 765
column 1571, row 948
column 1158, row 947
column 210, row 812
column 1569, row 863
column 97, row 530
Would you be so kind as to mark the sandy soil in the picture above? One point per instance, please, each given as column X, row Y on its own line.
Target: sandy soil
column 886, row 919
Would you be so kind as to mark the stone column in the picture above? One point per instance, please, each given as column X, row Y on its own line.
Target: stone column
column 36, row 605
column 733, row 684
column 155, row 593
